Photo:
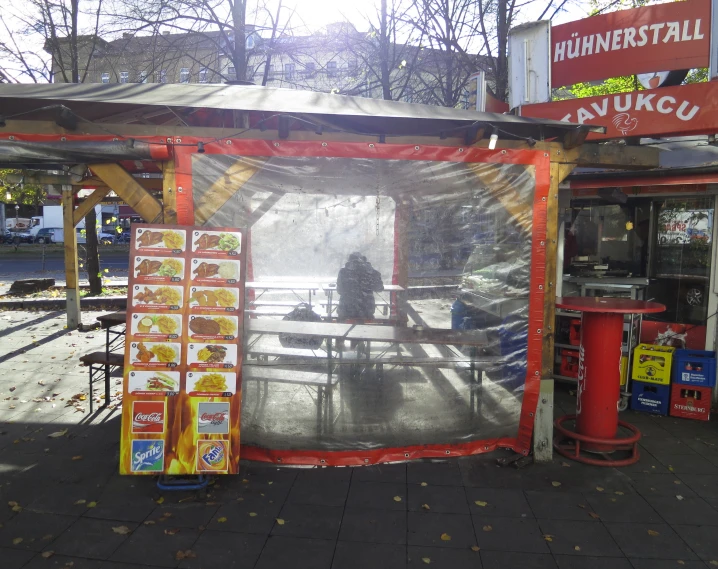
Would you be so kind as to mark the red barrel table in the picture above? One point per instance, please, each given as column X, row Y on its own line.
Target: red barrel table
column 599, row 383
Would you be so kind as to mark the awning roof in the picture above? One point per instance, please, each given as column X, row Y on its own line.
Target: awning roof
column 155, row 103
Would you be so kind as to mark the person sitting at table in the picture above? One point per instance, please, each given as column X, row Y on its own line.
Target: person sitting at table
column 356, row 284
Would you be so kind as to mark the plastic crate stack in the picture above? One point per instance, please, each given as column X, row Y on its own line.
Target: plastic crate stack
column 651, row 375
column 694, row 376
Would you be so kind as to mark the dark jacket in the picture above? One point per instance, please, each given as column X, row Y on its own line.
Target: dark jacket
column 356, row 284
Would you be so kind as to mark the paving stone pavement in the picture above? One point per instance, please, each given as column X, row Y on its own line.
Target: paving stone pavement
column 660, row 513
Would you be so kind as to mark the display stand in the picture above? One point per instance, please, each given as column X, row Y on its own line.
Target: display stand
column 599, row 377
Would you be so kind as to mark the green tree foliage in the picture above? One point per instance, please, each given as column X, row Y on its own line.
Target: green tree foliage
column 21, row 194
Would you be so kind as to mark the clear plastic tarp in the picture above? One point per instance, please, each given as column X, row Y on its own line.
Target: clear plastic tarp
column 408, row 283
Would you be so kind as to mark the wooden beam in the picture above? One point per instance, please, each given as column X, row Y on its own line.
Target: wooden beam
column 90, row 202
column 169, row 193
column 125, row 186
column 543, row 425
column 550, row 273
column 72, row 291
column 615, row 156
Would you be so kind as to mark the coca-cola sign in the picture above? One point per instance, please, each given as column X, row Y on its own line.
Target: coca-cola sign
column 686, row 109
column 213, row 418
column 663, row 37
column 148, row 417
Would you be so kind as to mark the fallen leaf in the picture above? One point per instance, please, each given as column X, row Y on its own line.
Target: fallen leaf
column 13, row 388
column 397, row 498
column 160, row 500
column 223, row 519
column 47, row 554
column 555, row 484
column 565, row 465
column 678, row 497
column 280, row 521
column 270, row 482
column 425, row 507
column 613, row 499
column 480, row 503
column 594, row 515
column 17, row 540
column 78, row 457
column 475, row 548
column 487, row 528
column 47, row 536
column 582, row 506
column 122, row 530
column 445, row 537
column 618, row 493
column 12, row 504
column 149, row 523
column 576, row 548
column 599, row 489
column 171, row 531
column 252, row 514
column 670, row 468
column 681, row 562
column 426, row 560
column 92, row 504
column 424, row 484
column 79, row 502
column 548, row 537
column 653, row 532
column 57, row 434
column 187, row 554
column 167, row 514
column 714, row 562
column 676, row 482
column 17, row 508
column 245, row 481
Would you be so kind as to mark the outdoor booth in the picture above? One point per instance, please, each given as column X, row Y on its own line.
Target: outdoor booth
column 442, row 203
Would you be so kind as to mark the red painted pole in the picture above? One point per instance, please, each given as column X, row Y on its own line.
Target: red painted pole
column 599, row 377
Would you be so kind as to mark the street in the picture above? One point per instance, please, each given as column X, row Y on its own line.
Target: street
column 28, row 260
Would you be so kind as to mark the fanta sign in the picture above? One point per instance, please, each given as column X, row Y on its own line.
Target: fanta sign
column 686, row 109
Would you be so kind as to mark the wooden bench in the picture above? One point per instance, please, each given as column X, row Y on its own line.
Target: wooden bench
column 101, row 365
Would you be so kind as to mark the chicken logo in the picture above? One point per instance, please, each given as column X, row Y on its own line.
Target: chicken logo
column 624, row 123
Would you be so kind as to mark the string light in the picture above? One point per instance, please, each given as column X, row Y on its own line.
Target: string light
column 494, row 138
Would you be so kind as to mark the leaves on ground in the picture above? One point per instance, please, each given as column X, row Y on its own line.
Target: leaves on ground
column 425, row 507
column 47, row 554
column 172, row 531
column 424, row 484
column 78, row 457
column 594, row 515
column 187, row 554
column 426, row 560
column 475, row 548
column 565, row 465
column 577, row 548
column 17, row 508
column 252, row 514
column 676, row 482
column 122, row 530
column 599, row 489
column 555, row 484
column 582, row 506
column 80, row 502
column 548, row 537
column 445, row 537
column 397, row 498
column 92, row 504
column 17, row 540
column 653, row 532
column 57, row 434
column 12, row 504
column 160, row 500
column 678, row 497
column 618, row 493
column 149, row 522
column 480, row 503
column 223, row 519
column 280, row 521
column 487, row 528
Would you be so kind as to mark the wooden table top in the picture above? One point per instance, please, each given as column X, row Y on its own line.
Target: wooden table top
column 112, row 319
column 608, row 305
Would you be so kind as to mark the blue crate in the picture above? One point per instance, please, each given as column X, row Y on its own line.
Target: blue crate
column 694, row 367
column 650, row 397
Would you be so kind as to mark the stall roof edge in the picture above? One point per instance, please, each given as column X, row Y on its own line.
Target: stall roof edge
column 99, row 102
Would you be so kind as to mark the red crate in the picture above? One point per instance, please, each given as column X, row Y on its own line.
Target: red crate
column 569, row 363
column 690, row 402
column 574, row 333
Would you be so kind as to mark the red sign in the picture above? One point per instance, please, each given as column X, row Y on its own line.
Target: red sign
column 664, row 37
column 686, row 109
column 148, row 417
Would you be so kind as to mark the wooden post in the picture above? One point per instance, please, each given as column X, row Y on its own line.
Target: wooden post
column 543, row 425
column 169, row 194
column 72, row 289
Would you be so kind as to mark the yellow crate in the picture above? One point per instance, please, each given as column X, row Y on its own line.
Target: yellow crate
column 652, row 364
column 624, row 370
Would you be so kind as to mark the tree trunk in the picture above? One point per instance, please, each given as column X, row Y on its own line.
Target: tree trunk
column 384, row 54
column 239, row 50
column 502, row 71
column 93, row 258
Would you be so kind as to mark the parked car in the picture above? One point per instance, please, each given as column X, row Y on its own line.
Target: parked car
column 50, row 235
column 106, row 238
column 18, row 237
column 122, row 238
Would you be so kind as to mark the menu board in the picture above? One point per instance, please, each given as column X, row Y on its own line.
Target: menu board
column 183, row 351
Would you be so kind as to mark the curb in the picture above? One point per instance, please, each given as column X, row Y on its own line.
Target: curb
column 119, row 302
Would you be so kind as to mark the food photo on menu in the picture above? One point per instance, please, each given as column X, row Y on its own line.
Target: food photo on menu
column 156, row 325
column 159, row 268
column 214, row 297
column 153, row 382
column 215, row 356
column 156, row 296
column 217, row 242
column 215, row 270
column 155, row 354
column 213, row 327
column 171, row 239
column 211, row 383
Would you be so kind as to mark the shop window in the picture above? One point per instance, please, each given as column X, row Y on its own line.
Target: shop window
column 124, row 76
column 105, row 78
